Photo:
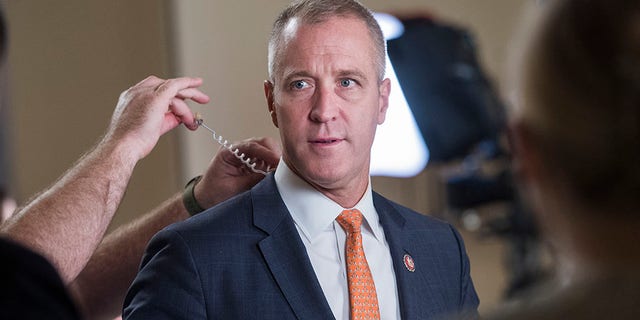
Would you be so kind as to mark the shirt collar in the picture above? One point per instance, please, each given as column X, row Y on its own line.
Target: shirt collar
column 314, row 212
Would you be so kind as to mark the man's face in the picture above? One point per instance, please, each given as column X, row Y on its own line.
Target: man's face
column 327, row 101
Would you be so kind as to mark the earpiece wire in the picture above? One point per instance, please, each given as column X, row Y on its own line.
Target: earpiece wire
column 235, row 151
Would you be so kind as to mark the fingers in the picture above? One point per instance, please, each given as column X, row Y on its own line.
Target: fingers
column 150, row 81
column 268, row 150
column 264, row 149
column 177, row 90
column 183, row 88
column 151, row 108
column 182, row 113
column 193, row 94
column 171, row 87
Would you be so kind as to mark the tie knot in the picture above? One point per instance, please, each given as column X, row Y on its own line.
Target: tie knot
column 350, row 220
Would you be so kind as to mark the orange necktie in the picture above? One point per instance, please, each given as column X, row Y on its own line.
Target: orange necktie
column 362, row 291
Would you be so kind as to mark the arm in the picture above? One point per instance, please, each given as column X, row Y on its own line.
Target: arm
column 102, row 285
column 168, row 285
column 66, row 222
column 469, row 298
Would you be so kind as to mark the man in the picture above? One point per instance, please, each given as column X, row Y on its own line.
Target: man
column 280, row 251
column 576, row 135
column 66, row 223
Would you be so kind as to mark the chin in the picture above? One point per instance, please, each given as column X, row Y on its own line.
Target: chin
column 325, row 176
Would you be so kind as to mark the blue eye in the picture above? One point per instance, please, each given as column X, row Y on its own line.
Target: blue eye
column 346, row 83
column 299, row 84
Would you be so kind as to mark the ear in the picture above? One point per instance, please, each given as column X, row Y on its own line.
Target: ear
column 268, row 93
column 383, row 100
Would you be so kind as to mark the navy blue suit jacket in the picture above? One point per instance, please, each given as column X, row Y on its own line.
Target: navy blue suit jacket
column 244, row 259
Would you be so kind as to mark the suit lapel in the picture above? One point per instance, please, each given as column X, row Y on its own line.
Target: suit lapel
column 286, row 255
column 416, row 298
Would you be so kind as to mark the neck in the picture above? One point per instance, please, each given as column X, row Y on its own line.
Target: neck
column 345, row 198
column 345, row 192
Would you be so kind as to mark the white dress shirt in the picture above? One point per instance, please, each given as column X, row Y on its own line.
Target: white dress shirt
column 314, row 215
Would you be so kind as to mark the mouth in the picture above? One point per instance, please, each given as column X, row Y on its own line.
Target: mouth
column 325, row 141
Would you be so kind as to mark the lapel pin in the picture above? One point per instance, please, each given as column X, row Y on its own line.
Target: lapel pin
column 408, row 263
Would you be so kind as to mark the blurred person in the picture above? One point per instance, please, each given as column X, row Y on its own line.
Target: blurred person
column 311, row 241
column 575, row 130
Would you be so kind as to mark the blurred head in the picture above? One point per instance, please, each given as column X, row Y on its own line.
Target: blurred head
column 326, row 95
column 578, row 113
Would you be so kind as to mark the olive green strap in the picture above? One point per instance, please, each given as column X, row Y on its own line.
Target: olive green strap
column 189, row 199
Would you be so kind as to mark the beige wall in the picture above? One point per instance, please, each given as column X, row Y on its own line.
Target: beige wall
column 71, row 59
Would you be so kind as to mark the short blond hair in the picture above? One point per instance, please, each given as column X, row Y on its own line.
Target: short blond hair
column 318, row 11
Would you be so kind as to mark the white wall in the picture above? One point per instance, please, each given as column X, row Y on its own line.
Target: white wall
column 68, row 62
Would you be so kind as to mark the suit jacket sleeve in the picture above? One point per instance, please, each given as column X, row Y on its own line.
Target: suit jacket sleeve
column 469, row 299
column 168, row 284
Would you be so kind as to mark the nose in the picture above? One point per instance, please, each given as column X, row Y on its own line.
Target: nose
column 325, row 105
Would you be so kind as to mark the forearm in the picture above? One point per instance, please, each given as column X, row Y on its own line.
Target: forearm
column 66, row 222
column 101, row 287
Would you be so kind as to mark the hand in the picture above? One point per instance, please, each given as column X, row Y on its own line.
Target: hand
column 151, row 108
column 228, row 176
